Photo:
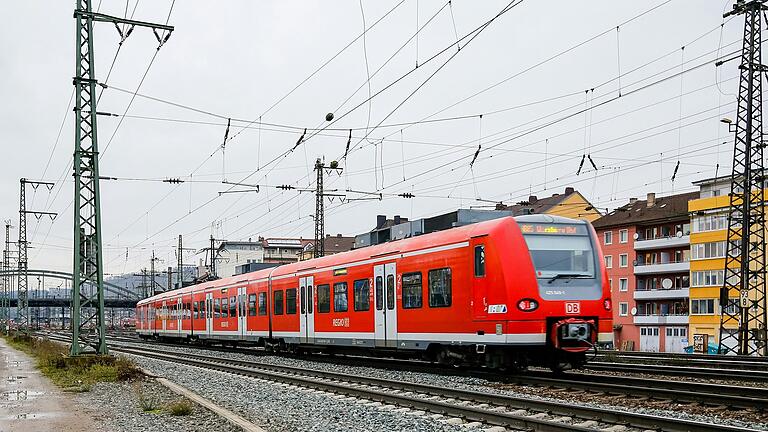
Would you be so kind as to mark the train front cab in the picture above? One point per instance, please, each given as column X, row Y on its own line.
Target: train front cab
column 557, row 294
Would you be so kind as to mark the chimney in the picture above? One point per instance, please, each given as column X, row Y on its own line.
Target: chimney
column 632, row 200
column 651, row 199
column 338, row 235
column 568, row 190
column 397, row 219
column 532, row 199
column 327, row 236
column 380, row 221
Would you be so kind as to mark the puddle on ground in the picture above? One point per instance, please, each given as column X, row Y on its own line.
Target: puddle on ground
column 20, row 395
column 31, row 416
column 15, row 379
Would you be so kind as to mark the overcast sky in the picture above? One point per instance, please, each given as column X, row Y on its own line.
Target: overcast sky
column 240, row 59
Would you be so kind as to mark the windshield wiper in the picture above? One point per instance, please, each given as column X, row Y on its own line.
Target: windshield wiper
column 569, row 276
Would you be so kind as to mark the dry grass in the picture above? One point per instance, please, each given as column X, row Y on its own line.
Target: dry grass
column 74, row 373
column 179, row 408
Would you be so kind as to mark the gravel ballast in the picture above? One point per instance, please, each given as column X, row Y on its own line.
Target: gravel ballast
column 115, row 407
column 740, row 419
column 277, row 407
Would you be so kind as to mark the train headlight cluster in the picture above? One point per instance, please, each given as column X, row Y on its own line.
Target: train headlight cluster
column 527, row 305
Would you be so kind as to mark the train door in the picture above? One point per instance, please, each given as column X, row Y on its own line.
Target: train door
column 179, row 315
column 242, row 313
column 385, row 299
column 480, row 283
column 164, row 316
column 390, row 288
column 208, row 314
column 380, row 317
column 307, row 309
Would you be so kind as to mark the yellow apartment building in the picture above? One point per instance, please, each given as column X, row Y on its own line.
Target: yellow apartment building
column 709, row 227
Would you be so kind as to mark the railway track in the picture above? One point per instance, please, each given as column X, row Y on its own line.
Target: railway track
column 493, row 409
column 684, row 371
column 679, row 359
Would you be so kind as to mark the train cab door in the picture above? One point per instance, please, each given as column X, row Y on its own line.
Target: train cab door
column 242, row 313
column 480, row 281
column 380, row 312
column 165, row 315
column 307, row 309
column 208, row 314
column 179, row 315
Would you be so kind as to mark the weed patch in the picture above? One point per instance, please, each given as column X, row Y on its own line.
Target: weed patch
column 179, row 408
column 75, row 374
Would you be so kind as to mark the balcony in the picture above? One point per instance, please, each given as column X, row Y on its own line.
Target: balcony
column 661, row 294
column 642, row 268
column 660, row 319
column 662, row 242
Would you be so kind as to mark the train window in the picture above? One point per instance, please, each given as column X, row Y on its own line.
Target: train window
column 379, row 293
column 217, row 308
column 262, row 303
column 278, row 302
column 233, row 306
column 440, row 287
column 290, row 301
column 412, row 292
column 251, row 304
column 303, row 301
column 201, row 307
column 310, row 299
column 479, row 260
column 390, row 292
column 323, row 298
column 362, row 295
column 340, row 297
column 225, row 307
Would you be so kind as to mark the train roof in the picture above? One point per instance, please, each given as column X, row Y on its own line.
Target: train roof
column 420, row 242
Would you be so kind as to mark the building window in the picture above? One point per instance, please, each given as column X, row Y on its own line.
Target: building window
column 710, row 223
column 412, row 291
column 623, row 309
column 623, row 284
column 439, row 287
column 707, row 278
column 290, row 301
column 479, row 261
column 623, row 260
column 608, row 261
column 702, row 307
column 362, row 295
column 708, row 250
column 610, row 284
column 262, row 303
column 278, row 302
column 623, row 236
column 340, row 298
column 324, row 298
column 608, row 237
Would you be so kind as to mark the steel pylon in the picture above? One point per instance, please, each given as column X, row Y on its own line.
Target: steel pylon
column 742, row 297
column 88, row 326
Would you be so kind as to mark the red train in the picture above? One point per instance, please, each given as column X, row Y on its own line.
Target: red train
column 505, row 293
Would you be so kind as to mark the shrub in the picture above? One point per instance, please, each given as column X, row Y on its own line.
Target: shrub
column 180, row 408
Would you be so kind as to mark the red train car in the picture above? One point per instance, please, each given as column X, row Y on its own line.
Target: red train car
column 510, row 292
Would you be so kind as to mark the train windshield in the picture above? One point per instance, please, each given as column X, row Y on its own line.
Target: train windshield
column 560, row 251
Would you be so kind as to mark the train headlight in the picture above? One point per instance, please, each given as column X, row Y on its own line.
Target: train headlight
column 527, row 305
column 607, row 304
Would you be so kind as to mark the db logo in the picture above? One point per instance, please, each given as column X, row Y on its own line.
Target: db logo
column 572, row 308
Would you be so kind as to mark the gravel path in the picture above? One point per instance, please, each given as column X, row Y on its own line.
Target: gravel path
column 743, row 419
column 278, row 408
column 115, row 407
